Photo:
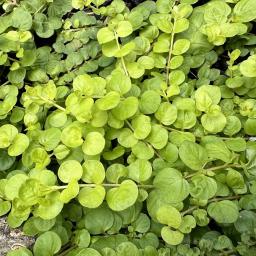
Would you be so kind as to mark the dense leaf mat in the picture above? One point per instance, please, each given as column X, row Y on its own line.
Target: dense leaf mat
column 129, row 132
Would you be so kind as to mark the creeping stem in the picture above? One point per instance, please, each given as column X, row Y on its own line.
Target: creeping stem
column 122, row 59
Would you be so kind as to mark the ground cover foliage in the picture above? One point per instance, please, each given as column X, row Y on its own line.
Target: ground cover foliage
column 129, row 131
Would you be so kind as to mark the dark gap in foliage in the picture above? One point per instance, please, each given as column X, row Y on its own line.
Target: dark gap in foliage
column 39, row 42
column 114, row 143
column 129, row 3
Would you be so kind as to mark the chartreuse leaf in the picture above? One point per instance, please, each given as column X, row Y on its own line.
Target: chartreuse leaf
column 187, row 224
column 82, row 238
column 47, row 243
column 206, row 96
column 7, row 134
column 170, row 185
column 49, row 207
column 214, row 121
column 20, row 252
column 244, row 11
column 5, row 207
column 193, row 155
column 122, row 197
column 93, row 172
column 166, row 113
column 169, row 216
column 216, row 148
column 70, row 170
column 19, row 144
column 109, row 101
column 172, row 237
column 116, row 171
column 94, row 143
column 70, row 192
column 13, row 185
column 202, row 187
column 91, row 197
column 105, row 35
column 141, row 126
column 224, row 211
column 126, row 108
column 124, row 28
column 140, row 170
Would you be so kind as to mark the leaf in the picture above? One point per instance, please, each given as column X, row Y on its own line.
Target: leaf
column 5, row 207
column 21, row 19
column 234, row 179
column 7, row 134
column 169, row 215
column 247, row 67
column 216, row 148
column 158, row 137
column 70, row 192
column 170, row 185
column 99, row 220
column 124, row 28
column 140, row 170
column 126, row 108
column 82, row 238
column 217, row 12
column 93, row 172
column 49, row 207
column 109, row 101
column 202, row 187
column 20, row 252
column 180, row 46
column 181, row 25
column 84, row 252
column 187, row 224
column 126, row 138
column 118, row 82
column 164, row 6
column 172, row 237
column 70, row 170
column 149, row 102
column 47, row 243
column 91, row 197
column 141, row 126
column 206, row 96
column 244, row 11
column 19, row 145
column 122, row 197
column 176, row 78
column 13, row 185
column 105, row 35
column 193, row 155
column 94, row 143
column 135, row 70
column 223, row 212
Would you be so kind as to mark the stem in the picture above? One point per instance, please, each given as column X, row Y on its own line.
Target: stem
column 5, row 83
column 52, row 103
column 191, row 209
column 217, row 199
column 66, row 250
column 104, row 185
column 122, row 59
column 216, row 168
column 170, row 53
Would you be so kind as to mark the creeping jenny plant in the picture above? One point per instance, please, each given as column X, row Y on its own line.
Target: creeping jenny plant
column 129, row 131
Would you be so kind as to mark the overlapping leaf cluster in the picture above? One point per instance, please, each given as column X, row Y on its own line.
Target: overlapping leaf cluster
column 129, row 132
